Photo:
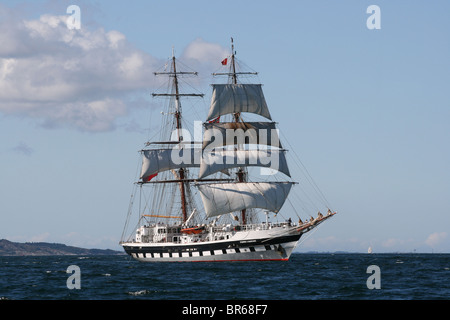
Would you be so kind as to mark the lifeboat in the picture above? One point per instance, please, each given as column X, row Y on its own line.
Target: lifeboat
column 193, row 230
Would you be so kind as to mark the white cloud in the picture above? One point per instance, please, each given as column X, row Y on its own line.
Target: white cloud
column 205, row 52
column 392, row 243
column 95, row 116
column 436, row 239
column 79, row 78
column 115, row 38
column 204, row 57
column 40, row 237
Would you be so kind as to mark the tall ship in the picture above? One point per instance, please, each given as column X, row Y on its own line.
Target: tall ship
column 216, row 194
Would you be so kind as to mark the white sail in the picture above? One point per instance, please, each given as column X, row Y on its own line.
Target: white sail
column 232, row 98
column 221, row 198
column 229, row 133
column 221, row 160
column 158, row 160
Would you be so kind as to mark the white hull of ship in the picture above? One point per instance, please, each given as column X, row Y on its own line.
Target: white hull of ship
column 247, row 245
column 255, row 243
column 267, row 244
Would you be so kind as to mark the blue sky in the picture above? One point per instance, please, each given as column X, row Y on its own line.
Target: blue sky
column 367, row 110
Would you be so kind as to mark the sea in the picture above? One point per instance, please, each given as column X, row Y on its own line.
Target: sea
column 190, row 285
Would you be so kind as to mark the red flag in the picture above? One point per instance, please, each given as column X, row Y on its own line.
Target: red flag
column 216, row 120
column 224, row 61
column 151, row 177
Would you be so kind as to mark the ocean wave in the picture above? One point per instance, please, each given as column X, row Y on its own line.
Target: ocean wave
column 138, row 293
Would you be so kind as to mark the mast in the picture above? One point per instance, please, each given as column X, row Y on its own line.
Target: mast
column 233, row 64
column 177, row 114
column 240, row 173
column 232, row 99
column 178, row 121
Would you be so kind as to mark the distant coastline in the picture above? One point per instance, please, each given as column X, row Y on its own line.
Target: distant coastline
column 9, row 248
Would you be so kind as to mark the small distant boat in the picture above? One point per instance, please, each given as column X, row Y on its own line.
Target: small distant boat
column 369, row 250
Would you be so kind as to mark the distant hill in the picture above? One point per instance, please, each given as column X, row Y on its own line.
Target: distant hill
column 9, row 248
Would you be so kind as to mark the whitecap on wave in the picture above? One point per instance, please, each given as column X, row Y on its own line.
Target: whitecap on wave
column 138, row 293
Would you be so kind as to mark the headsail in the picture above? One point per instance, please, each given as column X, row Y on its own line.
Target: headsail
column 235, row 98
column 221, row 198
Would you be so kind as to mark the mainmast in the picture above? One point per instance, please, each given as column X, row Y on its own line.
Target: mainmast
column 232, row 76
column 233, row 64
column 177, row 114
column 240, row 173
column 233, row 99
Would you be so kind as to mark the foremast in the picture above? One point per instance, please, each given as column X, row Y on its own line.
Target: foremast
column 181, row 177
